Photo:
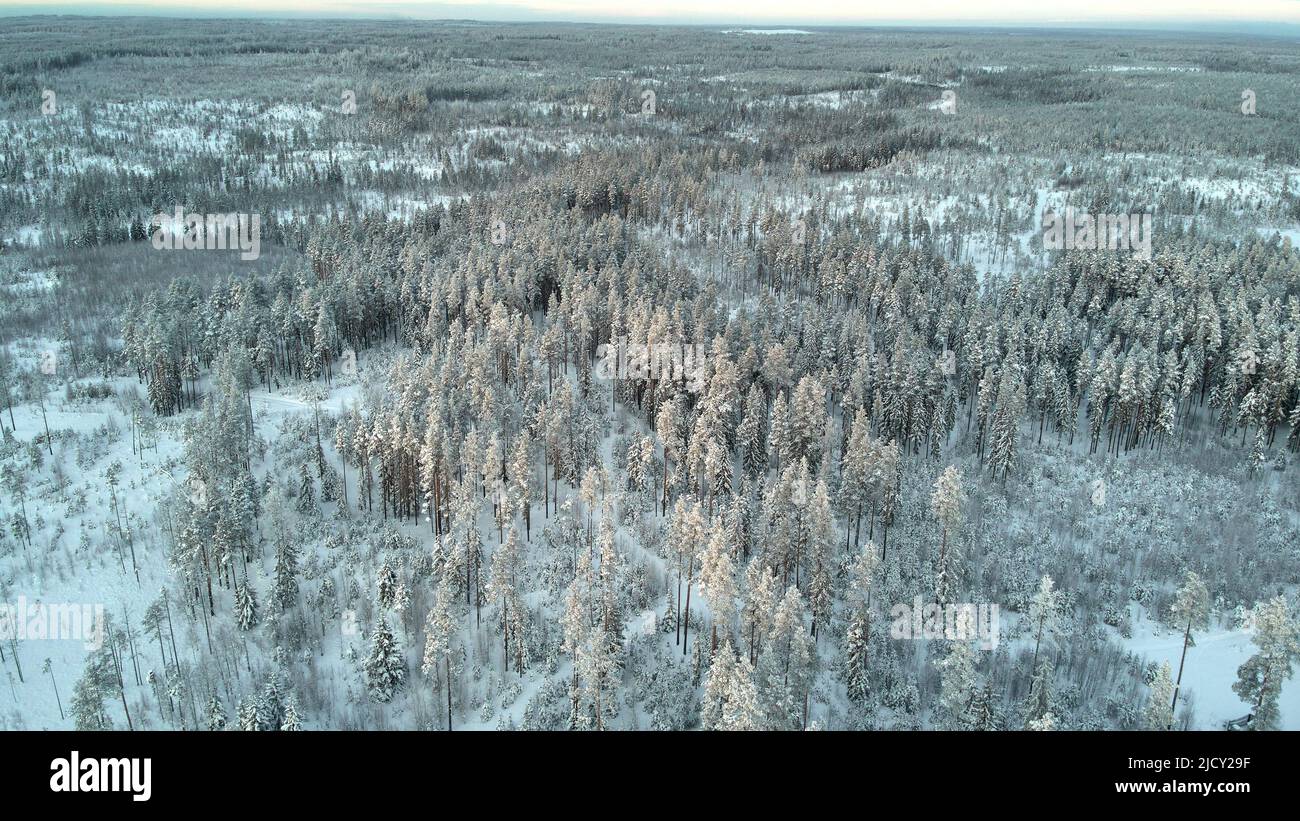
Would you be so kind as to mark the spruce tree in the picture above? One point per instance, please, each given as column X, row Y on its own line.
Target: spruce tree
column 385, row 667
column 246, row 614
column 216, row 713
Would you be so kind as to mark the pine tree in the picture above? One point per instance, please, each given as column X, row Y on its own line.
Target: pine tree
column 610, row 579
column 821, row 548
column 574, row 622
column 856, row 473
column 760, row 604
column 718, row 584
column 520, row 480
column 1260, row 679
column 743, row 710
column 88, row 694
column 1038, row 707
column 808, row 420
column 958, row 684
column 503, row 591
column 595, row 663
column 1044, row 615
column 785, row 667
column 687, row 534
column 1191, row 608
column 946, row 503
column 438, row 629
column 751, row 434
column 779, row 433
column 890, row 471
column 668, row 422
column 717, row 686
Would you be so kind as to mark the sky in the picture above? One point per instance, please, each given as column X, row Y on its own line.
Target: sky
column 1231, row 13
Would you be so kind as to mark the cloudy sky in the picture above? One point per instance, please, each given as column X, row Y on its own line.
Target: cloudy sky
column 768, row 12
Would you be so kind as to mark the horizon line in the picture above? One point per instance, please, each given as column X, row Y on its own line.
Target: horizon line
column 522, row 16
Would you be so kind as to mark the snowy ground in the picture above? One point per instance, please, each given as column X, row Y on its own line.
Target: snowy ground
column 1210, row 669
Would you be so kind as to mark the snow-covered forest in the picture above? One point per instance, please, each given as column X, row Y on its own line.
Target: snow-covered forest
column 646, row 378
